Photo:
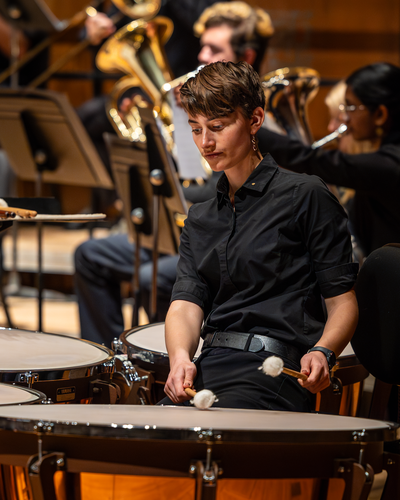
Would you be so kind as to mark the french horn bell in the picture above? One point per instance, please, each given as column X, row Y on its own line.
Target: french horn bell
column 288, row 91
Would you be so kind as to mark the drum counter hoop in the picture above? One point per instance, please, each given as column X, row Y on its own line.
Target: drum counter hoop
column 186, row 442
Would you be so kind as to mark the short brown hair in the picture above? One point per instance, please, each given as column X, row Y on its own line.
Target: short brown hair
column 221, row 87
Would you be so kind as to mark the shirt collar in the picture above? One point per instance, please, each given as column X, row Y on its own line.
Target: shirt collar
column 256, row 181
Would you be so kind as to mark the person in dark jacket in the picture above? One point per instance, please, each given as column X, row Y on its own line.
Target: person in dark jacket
column 372, row 112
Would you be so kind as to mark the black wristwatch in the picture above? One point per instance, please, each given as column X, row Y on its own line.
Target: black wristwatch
column 330, row 355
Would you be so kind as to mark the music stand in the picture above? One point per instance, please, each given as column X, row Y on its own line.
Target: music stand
column 150, row 210
column 46, row 142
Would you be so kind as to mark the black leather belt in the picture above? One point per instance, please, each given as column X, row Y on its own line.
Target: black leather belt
column 252, row 343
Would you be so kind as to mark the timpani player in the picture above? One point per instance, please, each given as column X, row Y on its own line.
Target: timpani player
column 265, row 266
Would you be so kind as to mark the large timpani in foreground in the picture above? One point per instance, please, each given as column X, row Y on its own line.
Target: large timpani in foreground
column 205, row 445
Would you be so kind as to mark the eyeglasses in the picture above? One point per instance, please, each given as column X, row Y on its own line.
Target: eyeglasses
column 349, row 108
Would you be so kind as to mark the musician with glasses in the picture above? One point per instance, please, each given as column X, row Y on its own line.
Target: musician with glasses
column 101, row 265
column 255, row 261
column 371, row 112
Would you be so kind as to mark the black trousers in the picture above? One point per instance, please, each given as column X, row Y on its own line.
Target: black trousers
column 233, row 376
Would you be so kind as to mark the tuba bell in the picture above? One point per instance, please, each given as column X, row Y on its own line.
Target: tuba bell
column 137, row 50
column 288, row 92
column 143, row 9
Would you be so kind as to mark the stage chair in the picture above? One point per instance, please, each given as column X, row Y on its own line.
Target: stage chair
column 377, row 340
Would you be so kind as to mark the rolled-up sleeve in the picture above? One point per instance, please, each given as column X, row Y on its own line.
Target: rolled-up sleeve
column 323, row 223
column 189, row 286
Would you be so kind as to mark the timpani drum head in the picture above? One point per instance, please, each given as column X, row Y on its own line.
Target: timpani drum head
column 186, row 423
column 23, row 350
column 13, row 395
column 146, row 348
column 62, row 367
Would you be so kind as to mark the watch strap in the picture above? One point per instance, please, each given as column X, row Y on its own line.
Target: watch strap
column 330, row 355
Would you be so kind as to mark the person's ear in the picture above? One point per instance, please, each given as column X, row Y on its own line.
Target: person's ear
column 249, row 56
column 257, row 120
column 381, row 115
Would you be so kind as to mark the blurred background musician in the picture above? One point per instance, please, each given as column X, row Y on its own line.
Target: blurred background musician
column 372, row 113
column 101, row 265
column 181, row 50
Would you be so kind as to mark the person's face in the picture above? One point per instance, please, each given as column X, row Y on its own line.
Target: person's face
column 216, row 46
column 360, row 122
column 224, row 142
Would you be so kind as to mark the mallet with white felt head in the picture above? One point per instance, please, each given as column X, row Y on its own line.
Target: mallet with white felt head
column 274, row 366
column 203, row 399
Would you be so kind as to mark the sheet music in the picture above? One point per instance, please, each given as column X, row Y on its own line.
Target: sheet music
column 188, row 156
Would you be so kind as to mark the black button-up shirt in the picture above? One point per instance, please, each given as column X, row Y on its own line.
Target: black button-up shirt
column 261, row 266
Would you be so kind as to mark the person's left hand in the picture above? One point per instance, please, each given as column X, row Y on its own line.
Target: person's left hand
column 315, row 366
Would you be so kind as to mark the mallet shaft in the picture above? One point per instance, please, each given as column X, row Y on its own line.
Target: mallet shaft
column 293, row 373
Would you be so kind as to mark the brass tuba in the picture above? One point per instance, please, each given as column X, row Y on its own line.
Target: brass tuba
column 288, row 92
column 144, row 9
column 137, row 50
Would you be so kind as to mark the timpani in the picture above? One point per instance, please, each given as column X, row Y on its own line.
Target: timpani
column 64, row 368
column 146, row 349
column 187, row 442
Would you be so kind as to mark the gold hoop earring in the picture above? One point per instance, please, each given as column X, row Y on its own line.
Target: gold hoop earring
column 254, row 143
column 379, row 131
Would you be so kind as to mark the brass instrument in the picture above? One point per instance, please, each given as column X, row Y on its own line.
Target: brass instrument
column 132, row 8
column 135, row 9
column 288, row 92
column 336, row 134
column 138, row 51
column 127, row 124
column 180, row 80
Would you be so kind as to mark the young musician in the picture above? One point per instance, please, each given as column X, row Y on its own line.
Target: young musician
column 255, row 261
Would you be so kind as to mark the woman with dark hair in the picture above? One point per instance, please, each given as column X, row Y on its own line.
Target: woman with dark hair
column 371, row 112
column 254, row 261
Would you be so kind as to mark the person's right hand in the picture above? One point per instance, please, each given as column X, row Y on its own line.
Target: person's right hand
column 181, row 375
column 98, row 28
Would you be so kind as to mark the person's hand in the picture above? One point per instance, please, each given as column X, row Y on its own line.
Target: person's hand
column 315, row 366
column 181, row 375
column 98, row 27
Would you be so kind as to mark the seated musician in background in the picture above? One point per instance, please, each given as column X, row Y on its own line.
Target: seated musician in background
column 372, row 113
column 345, row 143
column 101, row 265
column 254, row 262
column 181, row 50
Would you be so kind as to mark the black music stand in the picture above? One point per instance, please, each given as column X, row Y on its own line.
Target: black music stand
column 150, row 210
column 46, row 142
